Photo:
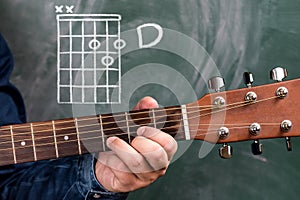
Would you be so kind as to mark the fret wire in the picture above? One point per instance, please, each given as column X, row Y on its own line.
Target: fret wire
column 78, row 138
column 153, row 118
column 102, row 133
column 54, row 135
column 13, row 144
column 128, row 130
column 33, row 142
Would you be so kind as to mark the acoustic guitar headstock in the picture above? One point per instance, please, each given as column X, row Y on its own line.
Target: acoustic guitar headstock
column 252, row 113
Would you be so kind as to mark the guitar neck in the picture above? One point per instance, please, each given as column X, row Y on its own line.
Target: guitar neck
column 274, row 114
column 75, row 136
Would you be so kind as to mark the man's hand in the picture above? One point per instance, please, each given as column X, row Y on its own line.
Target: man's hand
column 126, row 168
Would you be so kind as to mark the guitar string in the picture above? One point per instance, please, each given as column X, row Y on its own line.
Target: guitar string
column 196, row 124
column 244, row 125
column 86, row 132
column 211, row 131
column 97, row 124
column 69, row 134
column 125, row 127
column 49, row 123
column 178, row 108
column 103, row 116
column 114, row 128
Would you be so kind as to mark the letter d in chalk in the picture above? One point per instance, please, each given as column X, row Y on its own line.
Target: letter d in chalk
column 152, row 43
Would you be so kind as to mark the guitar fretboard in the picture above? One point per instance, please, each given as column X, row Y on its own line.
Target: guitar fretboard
column 75, row 136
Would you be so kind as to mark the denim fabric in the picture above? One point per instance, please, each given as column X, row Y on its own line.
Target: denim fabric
column 65, row 178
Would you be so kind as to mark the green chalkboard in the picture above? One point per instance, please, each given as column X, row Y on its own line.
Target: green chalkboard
column 235, row 36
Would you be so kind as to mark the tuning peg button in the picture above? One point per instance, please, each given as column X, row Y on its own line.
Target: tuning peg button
column 254, row 129
column 256, row 148
column 288, row 143
column 226, row 151
column 278, row 73
column 248, row 79
column 286, row 125
column 216, row 83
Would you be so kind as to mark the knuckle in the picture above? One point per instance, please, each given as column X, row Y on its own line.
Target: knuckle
column 136, row 162
column 171, row 146
column 159, row 160
column 156, row 149
column 161, row 156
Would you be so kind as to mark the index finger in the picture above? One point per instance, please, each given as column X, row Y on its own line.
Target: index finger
column 146, row 103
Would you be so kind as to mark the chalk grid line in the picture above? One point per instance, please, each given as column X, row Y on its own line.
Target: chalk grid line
column 88, row 65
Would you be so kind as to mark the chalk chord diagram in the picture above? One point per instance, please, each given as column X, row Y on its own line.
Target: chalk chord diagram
column 89, row 58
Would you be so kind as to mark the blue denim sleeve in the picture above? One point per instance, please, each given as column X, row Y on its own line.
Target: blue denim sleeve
column 66, row 178
column 69, row 178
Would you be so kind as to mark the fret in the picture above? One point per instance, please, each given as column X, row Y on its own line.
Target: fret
column 136, row 119
column 159, row 116
column 7, row 156
column 185, row 122
column 54, row 137
column 43, row 135
column 66, row 137
column 140, row 118
column 23, row 143
column 33, row 142
column 128, row 129
column 116, row 125
column 169, row 120
column 13, row 144
column 78, row 138
column 102, row 133
column 89, row 129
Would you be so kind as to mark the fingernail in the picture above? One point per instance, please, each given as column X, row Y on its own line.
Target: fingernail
column 148, row 102
column 110, row 140
column 141, row 130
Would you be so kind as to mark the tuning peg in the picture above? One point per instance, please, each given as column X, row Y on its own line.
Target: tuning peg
column 278, row 73
column 256, row 148
column 226, row 151
column 216, row 83
column 248, row 79
column 288, row 143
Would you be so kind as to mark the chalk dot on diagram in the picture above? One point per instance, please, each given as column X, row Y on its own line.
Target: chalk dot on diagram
column 107, row 60
column 94, row 44
column 119, row 44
